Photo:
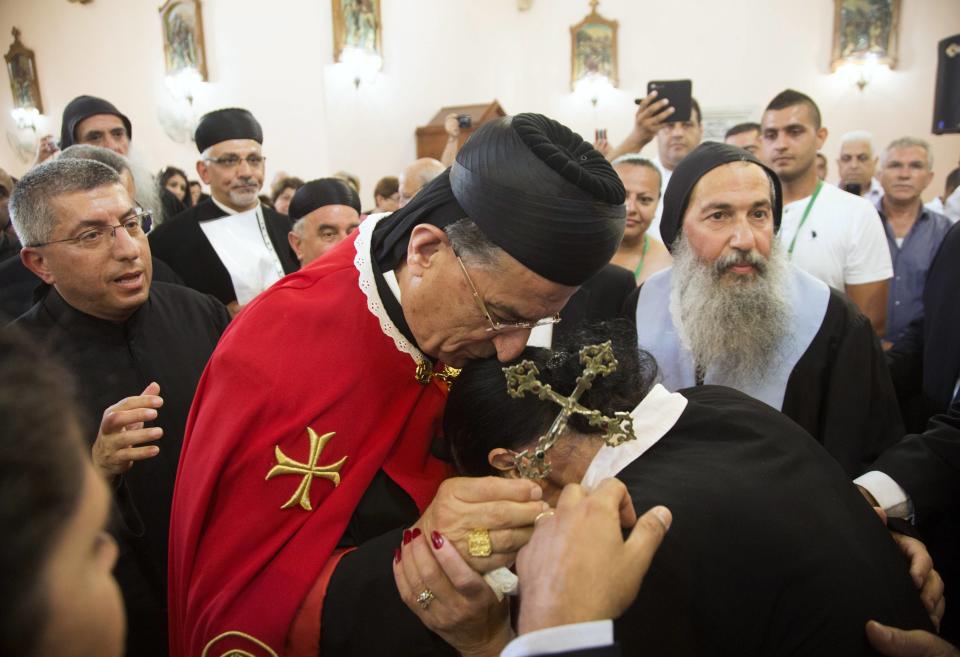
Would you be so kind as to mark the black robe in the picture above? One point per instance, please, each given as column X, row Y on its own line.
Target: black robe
column 772, row 550
column 840, row 390
column 167, row 340
column 182, row 244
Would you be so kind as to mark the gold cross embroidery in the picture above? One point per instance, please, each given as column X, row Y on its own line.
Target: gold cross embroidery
column 286, row 466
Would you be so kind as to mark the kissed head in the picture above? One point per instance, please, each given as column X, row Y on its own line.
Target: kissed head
column 641, row 181
column 83, row 234
column 792, row 134
column 57, row 594
column 906, row 169
column 487, row 429
column 677, row 138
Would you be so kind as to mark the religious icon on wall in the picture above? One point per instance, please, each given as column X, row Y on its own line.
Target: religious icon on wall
column 356, row 24
column 593, row 48
column 865, row 29
column 183, row 47
column 22, row 69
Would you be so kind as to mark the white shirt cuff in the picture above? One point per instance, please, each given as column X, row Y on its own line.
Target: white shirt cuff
column 577, row 636
column 889, row 494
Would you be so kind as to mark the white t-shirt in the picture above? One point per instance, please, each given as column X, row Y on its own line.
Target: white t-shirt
column 841, row 243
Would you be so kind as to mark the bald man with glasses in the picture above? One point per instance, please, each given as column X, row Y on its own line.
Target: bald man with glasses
column 137, row 348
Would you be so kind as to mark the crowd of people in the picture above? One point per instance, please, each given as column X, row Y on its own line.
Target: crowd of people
column 701, row 403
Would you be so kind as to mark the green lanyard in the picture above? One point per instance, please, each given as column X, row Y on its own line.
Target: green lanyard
column 643, row 255
column 803, row 219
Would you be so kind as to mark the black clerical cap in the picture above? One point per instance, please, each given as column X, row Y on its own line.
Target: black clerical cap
column 318, row 193
column 541, row 193
column 704, row 158
column 83, row 107
column 223, row 124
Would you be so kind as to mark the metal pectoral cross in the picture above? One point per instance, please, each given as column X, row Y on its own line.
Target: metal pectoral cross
column 287, row 466
column 598, row 360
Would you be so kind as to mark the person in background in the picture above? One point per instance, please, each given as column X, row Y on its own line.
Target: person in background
column 943, row 204
column 745, row 136
column 324, row 212
column 416, row 176
column 196, row 193
column 9, row 245
column 282, row 191
column 857, row 165
column 638, row 252
column 350, row 178
column 174, row 180
column 821, row 166
column 386, row 195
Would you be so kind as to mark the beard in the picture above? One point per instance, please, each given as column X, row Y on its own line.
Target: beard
column 733, row 324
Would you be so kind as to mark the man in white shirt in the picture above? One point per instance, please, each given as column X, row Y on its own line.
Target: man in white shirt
column 229, row 245
column 835, row 236
column 857, row 165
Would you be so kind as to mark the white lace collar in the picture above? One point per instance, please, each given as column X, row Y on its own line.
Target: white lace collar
column 368, row 285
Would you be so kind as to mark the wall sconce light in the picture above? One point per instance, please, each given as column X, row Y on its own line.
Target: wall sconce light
column 363, row 65
column 26, row 118
column 593, row 87
column 177, row 113
column 863, row 70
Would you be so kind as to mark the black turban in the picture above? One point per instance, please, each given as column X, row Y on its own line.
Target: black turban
column 223, row 124
column 318, row 193
column 704, row 158
column 534, row 188
column 83, row 107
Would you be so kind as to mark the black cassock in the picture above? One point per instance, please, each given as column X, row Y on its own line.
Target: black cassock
column 182, row 244
column 168, row 340
column 772, row 550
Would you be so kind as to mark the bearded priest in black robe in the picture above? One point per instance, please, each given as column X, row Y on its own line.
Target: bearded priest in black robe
column 229, row 246
column 734, row 311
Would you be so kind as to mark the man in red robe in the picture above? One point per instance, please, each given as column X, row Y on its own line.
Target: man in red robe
column 313, row 438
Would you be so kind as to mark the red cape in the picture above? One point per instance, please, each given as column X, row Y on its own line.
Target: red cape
column 308, row 352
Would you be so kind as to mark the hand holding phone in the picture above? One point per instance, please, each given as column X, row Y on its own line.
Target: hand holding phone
column 679, row 93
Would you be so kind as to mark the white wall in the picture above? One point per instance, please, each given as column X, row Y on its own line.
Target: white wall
column 274, row 57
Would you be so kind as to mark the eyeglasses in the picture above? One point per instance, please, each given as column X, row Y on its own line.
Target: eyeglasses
column 496, row 325
column 233, row 161
column 97, row 237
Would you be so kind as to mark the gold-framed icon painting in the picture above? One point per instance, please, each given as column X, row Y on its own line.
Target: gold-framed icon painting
column 356, row 24
column 865, row 29
column 593, row 48
column 22, row 70
column 183, row 47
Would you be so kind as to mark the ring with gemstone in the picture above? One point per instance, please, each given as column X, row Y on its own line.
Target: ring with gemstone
column 425, row 598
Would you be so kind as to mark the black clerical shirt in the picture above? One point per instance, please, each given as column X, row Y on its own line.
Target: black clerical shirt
column 167, row 340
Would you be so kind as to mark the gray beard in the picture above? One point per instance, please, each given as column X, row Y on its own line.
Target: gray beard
column 734, row 326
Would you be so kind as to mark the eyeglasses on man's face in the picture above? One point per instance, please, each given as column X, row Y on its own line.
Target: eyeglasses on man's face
column 233, row 161
column 495, row 324
column 99, row 236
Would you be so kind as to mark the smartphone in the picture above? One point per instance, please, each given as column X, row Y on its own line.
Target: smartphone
column 464, row 121
column 678, row 92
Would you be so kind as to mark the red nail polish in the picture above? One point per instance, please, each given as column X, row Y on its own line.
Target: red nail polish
column 437, row 540
column 407, row 536
column 396, row 555
column 416, row 532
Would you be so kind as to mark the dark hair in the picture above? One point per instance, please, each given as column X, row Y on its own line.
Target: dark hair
column 41, row 477
column 291, row 182
column 696, row 107
column 953, row 181
column 169, row 173
column 789, row 98
column 194, row 183
column 387, row 187
column 480, row 416
column 741, row 128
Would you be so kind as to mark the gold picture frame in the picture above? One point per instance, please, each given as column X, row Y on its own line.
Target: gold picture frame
column 183, row 45
column 356, row 24
column 865, row 29
column 593, row 48
column 22, row 70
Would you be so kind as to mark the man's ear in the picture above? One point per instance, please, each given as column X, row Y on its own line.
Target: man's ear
column 294, row 240
column 426, row 241
column 203, row 172
column 33, row 260
column 503, row 460
column 822, row 138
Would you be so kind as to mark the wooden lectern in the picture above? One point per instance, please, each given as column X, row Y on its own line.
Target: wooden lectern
column 432, row 138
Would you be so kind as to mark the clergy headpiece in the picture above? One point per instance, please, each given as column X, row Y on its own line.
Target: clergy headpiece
column 318, row 193
column 534, row 188
column 223, row 124
column 83, row 107
column 704, row 158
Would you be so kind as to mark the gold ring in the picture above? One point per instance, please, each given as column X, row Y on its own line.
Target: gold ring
column 478, row 543
column 542, row 515
column 425, row 598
